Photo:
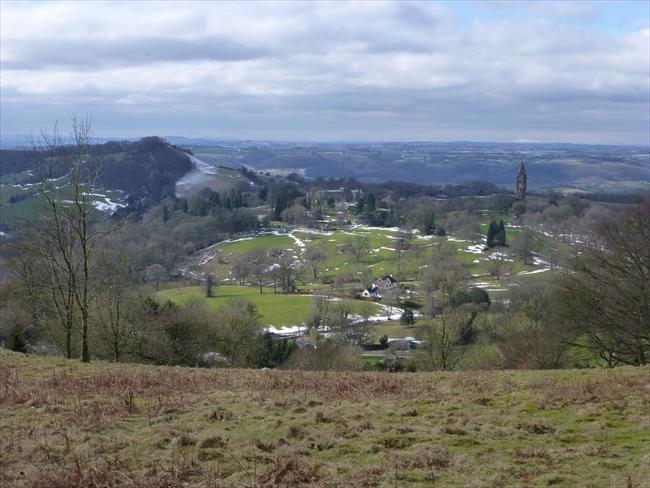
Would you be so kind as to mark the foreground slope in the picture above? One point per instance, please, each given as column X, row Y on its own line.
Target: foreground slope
column 69, row 424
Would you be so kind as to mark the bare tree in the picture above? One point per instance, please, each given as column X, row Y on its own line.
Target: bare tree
column 418, row 251
column 360, row 327
column 315, row 256
column 402, row 245
column 65, row 220
column 33, row 293
column 155, row 274
column 498, row 266
column 357, row 245
column 114, row 307
column 240, row 270
column 319, row 314
column 522, row 245
column 606, row 297
column 529, row 344
column 288, row 271
column 258, row 265
column 446, row 277
column 440, row 350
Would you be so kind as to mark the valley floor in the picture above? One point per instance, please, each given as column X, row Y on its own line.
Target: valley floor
column 64, row 423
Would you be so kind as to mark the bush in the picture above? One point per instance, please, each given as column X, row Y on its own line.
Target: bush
column 16, row 340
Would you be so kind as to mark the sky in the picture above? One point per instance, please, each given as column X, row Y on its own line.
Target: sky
column 528, row 71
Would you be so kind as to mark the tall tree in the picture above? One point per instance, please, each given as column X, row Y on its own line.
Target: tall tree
column 607, row 295
column 66, row 213
column 491, row 233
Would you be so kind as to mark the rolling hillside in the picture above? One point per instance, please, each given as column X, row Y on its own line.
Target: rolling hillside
column 588, row 167
column 101, row 424
column 147, row 170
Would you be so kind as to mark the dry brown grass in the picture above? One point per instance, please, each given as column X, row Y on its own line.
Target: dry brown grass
column 105, row 425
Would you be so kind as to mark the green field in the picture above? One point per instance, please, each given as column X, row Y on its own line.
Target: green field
column 12, row 213
column 68, row 424
column 274, row 308
column 379, row 259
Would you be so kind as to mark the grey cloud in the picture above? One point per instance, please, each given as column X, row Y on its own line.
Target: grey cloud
column 86, row 54
column 409, row 73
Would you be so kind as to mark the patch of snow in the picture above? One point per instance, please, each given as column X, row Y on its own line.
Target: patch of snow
column 474, row 249
column 287, row 331
column 307, row 230
column 542, row 270
column 107, row 204
column 366, row 227
column 299, row 242
column 56, row 179
column 195, row 176
column 540, row 262
column 500, row 255
column 231, row 241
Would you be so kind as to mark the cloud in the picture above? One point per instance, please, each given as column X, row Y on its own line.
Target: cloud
column 397, row 70
column 92, row 54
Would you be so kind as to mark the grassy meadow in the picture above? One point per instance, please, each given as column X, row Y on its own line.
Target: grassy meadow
column 67, row 424
column 274, row 308
column 379, row 258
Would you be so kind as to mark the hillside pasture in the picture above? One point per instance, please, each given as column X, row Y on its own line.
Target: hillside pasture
column 70, row 424
column 275, row 309
column 377, row 260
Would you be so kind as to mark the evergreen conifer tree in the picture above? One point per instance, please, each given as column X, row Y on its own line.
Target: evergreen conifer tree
column 491, row 233
column 501, row 232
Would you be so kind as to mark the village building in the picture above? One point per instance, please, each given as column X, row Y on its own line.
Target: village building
column 386, row 283
column 371, row 292
column 336, row 196
column 383, row 285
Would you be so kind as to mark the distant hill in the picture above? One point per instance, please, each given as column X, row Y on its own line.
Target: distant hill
column 148, row 168
column 152, row 166
column 588, row 167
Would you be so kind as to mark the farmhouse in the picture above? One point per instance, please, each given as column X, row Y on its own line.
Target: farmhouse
column 386, row 283
column 371, row 292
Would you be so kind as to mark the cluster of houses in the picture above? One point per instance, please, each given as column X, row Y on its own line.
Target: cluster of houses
column 380, row 287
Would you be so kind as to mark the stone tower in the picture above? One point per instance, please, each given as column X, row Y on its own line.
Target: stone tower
column 520, row 188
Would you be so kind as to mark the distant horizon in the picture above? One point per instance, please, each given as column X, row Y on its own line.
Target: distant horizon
column 102, row 139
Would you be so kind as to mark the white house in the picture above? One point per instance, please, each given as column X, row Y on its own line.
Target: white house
column 371, row 292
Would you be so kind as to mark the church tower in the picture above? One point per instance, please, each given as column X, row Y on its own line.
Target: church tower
column 520, row 188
